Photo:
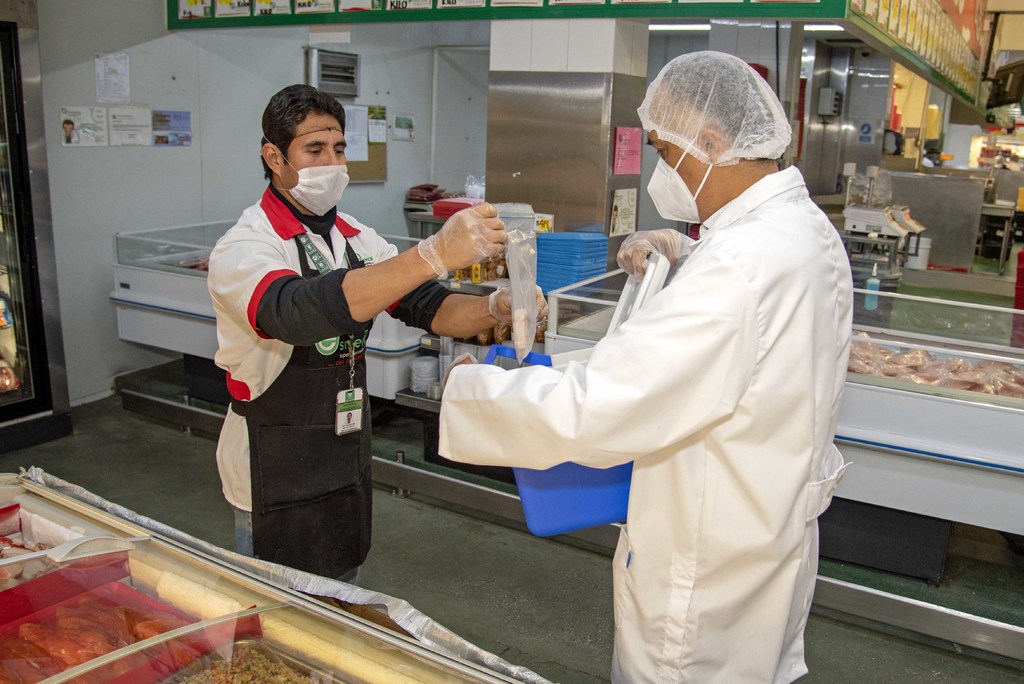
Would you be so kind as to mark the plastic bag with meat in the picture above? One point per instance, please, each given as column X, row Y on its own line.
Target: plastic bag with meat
column 913, row 357
column 946, row 366
column 972, row 381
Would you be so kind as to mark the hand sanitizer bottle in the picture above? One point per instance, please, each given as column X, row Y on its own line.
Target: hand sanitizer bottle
column 873, row 285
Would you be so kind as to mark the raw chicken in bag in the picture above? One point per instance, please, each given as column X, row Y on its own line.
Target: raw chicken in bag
column 521, row 259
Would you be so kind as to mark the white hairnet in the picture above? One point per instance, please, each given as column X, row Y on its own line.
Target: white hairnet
column 720, row 94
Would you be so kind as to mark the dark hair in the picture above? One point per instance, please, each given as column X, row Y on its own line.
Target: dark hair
column 65, row 122
column 288, row 108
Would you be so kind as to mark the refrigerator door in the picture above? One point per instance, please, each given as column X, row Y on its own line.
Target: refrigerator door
column 18, row 381
column 32, row 407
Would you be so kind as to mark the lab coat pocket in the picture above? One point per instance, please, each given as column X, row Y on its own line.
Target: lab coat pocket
column 303, row 464
column 622, row 584
column 819, row 493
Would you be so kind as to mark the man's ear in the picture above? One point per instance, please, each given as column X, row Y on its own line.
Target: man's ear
column 273, row 157
column 713, row 142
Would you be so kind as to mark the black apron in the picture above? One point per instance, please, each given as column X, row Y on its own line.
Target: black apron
column 311, row 488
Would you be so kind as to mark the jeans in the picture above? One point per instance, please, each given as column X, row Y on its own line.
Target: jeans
column 243, row 543
column 243, row 532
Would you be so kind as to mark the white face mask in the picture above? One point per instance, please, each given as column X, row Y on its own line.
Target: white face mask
column 320, row 187
column 671, row 197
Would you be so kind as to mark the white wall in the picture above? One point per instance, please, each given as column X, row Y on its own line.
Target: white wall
column 224, row 78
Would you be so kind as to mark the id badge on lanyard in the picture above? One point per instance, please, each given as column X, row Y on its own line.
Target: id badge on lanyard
column 349, row 404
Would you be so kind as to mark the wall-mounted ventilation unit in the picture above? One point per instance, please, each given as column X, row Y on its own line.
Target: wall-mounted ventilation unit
column 335, row 73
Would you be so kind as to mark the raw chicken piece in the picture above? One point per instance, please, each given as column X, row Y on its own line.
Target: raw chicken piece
column 23, row 661
column 70, row 646
column 108, row 620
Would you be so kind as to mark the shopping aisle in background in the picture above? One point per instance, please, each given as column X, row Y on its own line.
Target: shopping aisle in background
column 534, row 602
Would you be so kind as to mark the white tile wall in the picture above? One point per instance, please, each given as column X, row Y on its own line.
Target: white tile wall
column 511, row 44
column 591, row 45
column 550, row 45
column 641, row 39
column 570, row 45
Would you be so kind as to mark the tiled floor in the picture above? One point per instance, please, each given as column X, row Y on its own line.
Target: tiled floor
column 533, row 601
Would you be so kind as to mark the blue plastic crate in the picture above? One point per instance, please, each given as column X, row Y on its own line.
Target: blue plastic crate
column 568, row 496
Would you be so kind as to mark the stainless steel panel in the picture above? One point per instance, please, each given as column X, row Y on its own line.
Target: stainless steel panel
column 32, row 96
column 547, row 143
column 868, row 100
column 950, row 209
column 920, row 618
column 550, row 139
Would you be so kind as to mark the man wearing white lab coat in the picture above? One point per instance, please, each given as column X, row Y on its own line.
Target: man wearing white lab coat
column 723, row 390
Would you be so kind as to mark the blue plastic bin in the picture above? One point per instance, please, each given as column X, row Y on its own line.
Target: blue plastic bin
column 568, row 496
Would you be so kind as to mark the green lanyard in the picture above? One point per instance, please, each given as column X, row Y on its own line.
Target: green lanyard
column 315, row 255
column 327, row 347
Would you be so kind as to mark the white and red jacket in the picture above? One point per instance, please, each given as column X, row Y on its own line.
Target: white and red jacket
column 254, row 253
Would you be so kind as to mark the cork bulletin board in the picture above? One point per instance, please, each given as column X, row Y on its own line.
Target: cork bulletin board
column 374, row 169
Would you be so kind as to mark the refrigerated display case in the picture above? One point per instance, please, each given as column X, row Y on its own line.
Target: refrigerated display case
column 932, row 410
column 120, row 602
column 162, row 300
column 34, row 404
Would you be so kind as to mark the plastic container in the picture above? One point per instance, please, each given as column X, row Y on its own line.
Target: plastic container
column 568, row 496
column 924, row 250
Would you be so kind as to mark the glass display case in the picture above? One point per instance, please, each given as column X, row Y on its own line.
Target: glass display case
column 579, row 314
column 184, row 250
column 160, row 287
column 932, row 408
column 130, row 606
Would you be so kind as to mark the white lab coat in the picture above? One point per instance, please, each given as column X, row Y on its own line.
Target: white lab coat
column 724, row 390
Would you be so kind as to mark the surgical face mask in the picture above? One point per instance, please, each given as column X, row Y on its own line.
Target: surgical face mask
column 320, row 187
column 671, row 197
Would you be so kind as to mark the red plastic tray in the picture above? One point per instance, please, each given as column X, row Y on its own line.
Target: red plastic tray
column 443, row 208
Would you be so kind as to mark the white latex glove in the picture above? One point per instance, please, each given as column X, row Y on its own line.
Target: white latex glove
column 499, row 305
column 668, row 242
column 460, row 360
column 466, row 238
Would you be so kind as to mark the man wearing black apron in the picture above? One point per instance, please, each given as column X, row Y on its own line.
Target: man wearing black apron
column 295, row 286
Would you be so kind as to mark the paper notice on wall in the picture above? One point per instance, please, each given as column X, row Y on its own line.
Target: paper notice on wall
column 627, row 150
column 359, row 5
column 403, row 127
column 83, row 126
column 357, row 133
column 623, row 216
column 377, row 125
column 195, row 9
column 265, row 7
column 453, row 4
column 172, row 128
column 130, row 126
column 399, row 5
column 310, row 6
column 232, row 8
column 112, row 81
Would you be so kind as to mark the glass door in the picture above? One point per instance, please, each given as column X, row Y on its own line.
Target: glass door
column 23, row 382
